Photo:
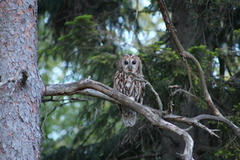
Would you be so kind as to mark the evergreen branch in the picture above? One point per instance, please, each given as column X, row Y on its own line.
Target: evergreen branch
column 49, row 113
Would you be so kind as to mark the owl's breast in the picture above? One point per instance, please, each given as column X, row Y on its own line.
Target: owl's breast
column 128, row 85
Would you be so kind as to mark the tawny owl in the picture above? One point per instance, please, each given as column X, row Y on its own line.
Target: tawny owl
column 129, row 85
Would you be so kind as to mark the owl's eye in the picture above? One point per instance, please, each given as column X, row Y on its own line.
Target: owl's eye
column 126, row 62
column 133, row 62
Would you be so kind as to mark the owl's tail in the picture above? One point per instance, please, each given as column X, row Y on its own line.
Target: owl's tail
column 129, row 118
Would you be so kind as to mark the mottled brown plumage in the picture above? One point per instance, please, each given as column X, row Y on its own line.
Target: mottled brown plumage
column 129, row 69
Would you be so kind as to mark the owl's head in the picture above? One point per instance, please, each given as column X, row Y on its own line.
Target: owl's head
column 130, row 63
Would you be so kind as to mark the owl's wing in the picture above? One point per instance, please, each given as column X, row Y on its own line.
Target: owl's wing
column 141, row 92
column 133, row 89
column 129, row 116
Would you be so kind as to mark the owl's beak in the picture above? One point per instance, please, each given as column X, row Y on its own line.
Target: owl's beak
column 129, row 68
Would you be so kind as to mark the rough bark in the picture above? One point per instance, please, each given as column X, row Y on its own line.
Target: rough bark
column 21, row 86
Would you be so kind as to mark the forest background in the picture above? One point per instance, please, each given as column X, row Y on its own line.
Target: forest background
column 79, row 38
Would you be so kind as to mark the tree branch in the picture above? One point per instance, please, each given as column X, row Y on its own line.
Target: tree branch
column 87, row 86
column 192, row 121
column 172, row 31
column 195, row 121
column 159, row 102
column 96, row 89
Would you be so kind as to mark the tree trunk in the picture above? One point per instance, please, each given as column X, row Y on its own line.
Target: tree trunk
column 20, row 96
column 188, row 33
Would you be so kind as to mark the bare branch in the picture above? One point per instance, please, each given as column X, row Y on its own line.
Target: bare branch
column 184, row 91
column 97, row 89
column 94, row 93
column 224, row 120
column 152, row 115
column 185, row 54
column 195, row 121
column 172, row 93
column 192, row 121
column 159, row 102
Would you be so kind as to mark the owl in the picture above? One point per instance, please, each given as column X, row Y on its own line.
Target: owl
column 125, row 81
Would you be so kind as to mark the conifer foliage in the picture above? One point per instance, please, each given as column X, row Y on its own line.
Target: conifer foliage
column 81, row 39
